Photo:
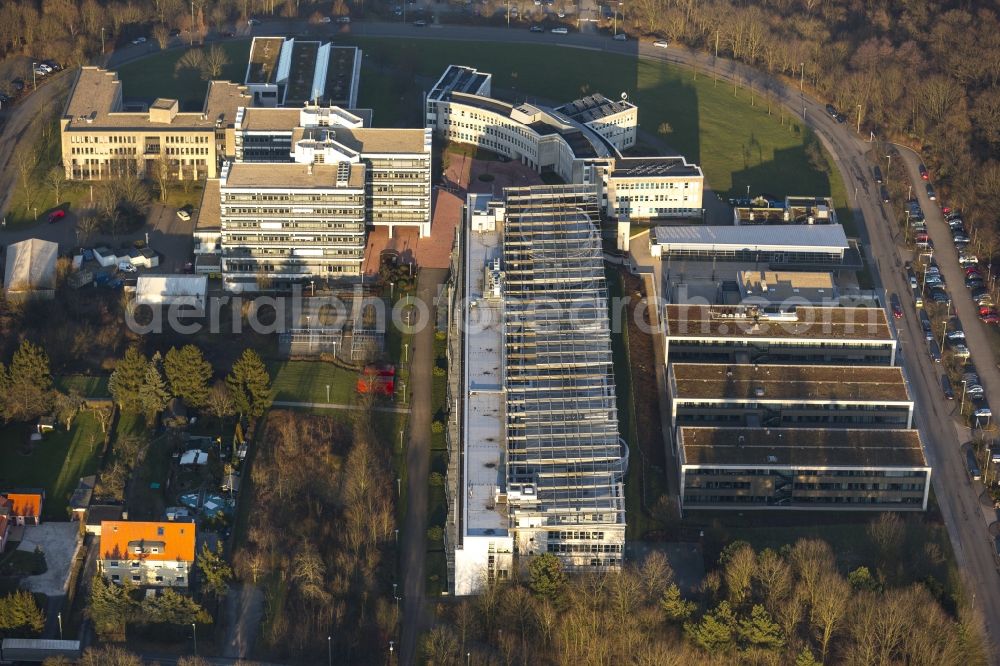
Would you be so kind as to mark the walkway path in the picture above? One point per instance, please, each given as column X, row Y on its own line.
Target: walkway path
column 330, row 405
column 418, row 465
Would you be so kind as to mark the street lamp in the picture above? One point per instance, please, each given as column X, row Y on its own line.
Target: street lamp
column 329, row 651
column 961, row 407
column 391, row 645
column 102, row 40
column 397, row 536
column 888, row 169
column 802, row 74
column 859, row 119
column 194, row 629
column 399, row 487
column 944, row 330
column 34, row 84
column 59, row 617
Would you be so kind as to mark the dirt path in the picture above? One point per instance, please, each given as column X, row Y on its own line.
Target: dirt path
column 244, row 611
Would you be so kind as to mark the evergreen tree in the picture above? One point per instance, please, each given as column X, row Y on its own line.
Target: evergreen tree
column 546, row 576
column 110, row 608
column 250, row 385
column 153, row 394
column 861, row 579
column 806, row 658
column 760, row 631
column 29, row 384
column 173, row 608
column 189, row 374
column 215, row 571
column 715, row 632
column 20, row 616
column 128, row 378
column 676, row 607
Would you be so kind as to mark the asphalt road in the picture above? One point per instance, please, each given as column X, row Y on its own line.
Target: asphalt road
column 418, row 452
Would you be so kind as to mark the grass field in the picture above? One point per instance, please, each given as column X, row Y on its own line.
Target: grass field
column 159, row 76
column 56, row 463
column 87, row 386
column 306, row 381
column 736, row 143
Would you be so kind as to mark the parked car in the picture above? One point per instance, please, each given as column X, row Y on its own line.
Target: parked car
column 884, row 193
column 923, row 172
column 253, row 21
column 925, row 323
column 960, row 350
column 972, row 465
column 930, row 192
column 559, row 31
column 139, row 40
column 832, row 110
column 661, row 44
column 420, row 23
column 840, row 118
column 939, row 295
column 536, row 28
column 990, row 319
column 968, row 259
column 176, row 32
column 56, row 215
column 17, row 84
column 897, row 307
column 946, row 388
column 184, row 215
column 126, row 267
column 934, row 350
column 343, row 20
column 877, row 172
column 326, row 19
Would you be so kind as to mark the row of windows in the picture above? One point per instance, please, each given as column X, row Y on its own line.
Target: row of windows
column 186, row 151
column 715, row 471
column 274, row 211
column 135, row 579
column 316, row 225
column 252, row 267
column 304, row 198
column 172, row 138
column 826, row 499
column 583, row 548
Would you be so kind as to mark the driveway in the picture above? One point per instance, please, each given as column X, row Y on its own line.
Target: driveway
column 59, row 542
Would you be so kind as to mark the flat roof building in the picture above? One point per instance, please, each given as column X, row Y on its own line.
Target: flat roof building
column 753, row 334
column 793, row 210
column 802, row 468
column 773, row 245
column 541, row 461
column 30, row 270
column 292, row 72
column 804, row 396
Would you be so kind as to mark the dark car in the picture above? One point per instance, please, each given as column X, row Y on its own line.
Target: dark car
column 17, row 84
column 946, row 388
column 939, row 295
column 884, row 192
column 934, row 350
column 877, row 171
column 420, row 23
column 840, row 117
column 930, row 192
column 897, row 307
column 536, row 28
column 974, row 281
column 175, row 32
column 229, row 34
column 832, row 110
column 979, row 292
column 923, row 172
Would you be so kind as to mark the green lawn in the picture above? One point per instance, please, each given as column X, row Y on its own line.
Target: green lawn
column 306, row 381
column 56, row 463
column 736, row 143
column 158, row 76
column 87, row 386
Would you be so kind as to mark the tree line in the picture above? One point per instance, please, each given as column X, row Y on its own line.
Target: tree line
column 323, row 524
column 776, row 607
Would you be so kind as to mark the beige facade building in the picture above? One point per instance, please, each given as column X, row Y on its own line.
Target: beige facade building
column 102, row 139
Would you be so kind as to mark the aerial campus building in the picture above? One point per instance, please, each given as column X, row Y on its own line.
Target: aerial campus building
column 104, row 137
column 802, row 468
column 581, row 142
column 803, row 396
column 755, row 334
column 536, row 461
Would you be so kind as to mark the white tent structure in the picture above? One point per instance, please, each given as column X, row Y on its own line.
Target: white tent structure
column 31, row 269
column 167, row 290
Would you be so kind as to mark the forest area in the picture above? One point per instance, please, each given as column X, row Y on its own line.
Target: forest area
column 787, row 607
column 320, row 539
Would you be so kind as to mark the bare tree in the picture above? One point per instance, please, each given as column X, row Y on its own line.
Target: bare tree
column 214, row 60
column 56, row 179
column 25, row 162
column 161, row 35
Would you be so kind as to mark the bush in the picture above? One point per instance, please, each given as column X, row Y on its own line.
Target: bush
column 436, row 479
column 435, row 533
column 438, row 371
column 440, row 336
column 437, row 427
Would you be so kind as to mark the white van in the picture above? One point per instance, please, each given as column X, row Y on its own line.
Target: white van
column 559, row 31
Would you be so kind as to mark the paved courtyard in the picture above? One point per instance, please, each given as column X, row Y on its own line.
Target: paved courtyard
column 59, row 542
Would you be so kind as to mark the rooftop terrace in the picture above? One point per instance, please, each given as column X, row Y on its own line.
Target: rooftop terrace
column 800, row 447
column 264, row 54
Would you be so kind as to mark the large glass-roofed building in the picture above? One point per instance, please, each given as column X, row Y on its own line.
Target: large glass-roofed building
column 538, row 409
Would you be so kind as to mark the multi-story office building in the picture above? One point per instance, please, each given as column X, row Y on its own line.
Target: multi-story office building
column 803, row 396
column 102, row 138
column 802, row 468
column 581, row 142
column 752, row 334
column 823, row 247
column 537, row 462
column 291, row 221
column 148, row 554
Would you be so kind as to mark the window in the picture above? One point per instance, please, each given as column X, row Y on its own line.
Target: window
column 135, row 564
column 135, row 579
column 159, row 579
column 155, row 549
column 179, row 579
column 113, row 563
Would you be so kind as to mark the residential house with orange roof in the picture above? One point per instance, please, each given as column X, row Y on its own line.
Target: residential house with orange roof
column 152, row 554
column 23, row 507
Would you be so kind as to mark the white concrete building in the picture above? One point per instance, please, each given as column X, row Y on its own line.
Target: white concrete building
column 581, row 142
column 539, row 467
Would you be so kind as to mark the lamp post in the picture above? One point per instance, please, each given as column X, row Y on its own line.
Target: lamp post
column 102, row 40
column 888, row 169
column 59, row 617
column 34, row 83
column 961, row 407
column 399, row 487
column 329, row 651
column 328, row 394
column 406, row 351
column 391, row 646
column 194, row 630
column 397, row 536
column 859, row 119
column 392, row 290
column 802, row 74
column 402, row 386
column 944, row 330
column 191, row 32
